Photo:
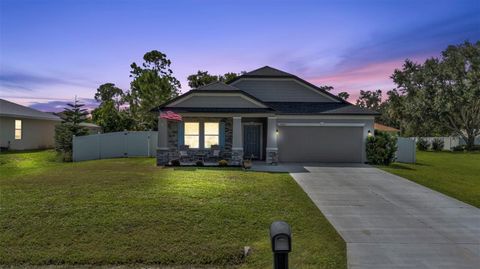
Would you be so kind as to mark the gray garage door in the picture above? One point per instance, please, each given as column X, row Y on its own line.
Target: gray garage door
column 320, row 144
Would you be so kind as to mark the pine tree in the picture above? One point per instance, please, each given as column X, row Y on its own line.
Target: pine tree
column 71, row 116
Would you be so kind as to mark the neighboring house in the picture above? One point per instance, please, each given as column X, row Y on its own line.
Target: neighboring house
column 266, row 114
column 23, row 128
column 385, row 128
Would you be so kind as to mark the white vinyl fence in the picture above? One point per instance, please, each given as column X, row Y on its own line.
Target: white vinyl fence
column 449, row 142
column 406, row 150
column 114, row 145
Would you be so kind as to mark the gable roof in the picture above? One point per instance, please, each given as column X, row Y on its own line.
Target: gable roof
column 217, row 86
column 270, row 72
column 191, row 92
column 9, row 109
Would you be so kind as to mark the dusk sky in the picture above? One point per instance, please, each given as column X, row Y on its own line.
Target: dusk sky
column 51, row 51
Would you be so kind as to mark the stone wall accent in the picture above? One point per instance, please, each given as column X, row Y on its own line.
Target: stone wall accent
column 162, row 157
column 237, row 157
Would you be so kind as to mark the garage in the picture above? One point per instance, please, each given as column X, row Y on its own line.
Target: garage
column 327, row 144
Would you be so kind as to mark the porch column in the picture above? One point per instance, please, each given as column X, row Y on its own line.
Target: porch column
column 162, row 143
column 272, row 149
column 237, row 145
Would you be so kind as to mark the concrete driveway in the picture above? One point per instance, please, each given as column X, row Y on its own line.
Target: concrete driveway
column 391, row 222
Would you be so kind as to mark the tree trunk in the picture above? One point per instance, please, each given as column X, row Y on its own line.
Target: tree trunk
column 470, row 141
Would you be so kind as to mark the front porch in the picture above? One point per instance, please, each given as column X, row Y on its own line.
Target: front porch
column 239, row 137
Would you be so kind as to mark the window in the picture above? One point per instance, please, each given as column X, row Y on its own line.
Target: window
column 211, row 134
column 18, row 129
column 192, row 134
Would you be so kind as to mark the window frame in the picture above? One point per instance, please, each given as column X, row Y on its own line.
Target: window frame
column 19, row 129
column 217, row 135
column 185, row 135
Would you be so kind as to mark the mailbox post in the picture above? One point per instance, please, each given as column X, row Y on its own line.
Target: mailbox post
column 281, row 237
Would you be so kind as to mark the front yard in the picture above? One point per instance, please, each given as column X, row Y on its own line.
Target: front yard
column 127, row 211
column 455, row 174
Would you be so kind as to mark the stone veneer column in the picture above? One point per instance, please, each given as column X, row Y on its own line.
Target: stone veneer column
column 162, row 144
column 237, row 145
column 272, row 149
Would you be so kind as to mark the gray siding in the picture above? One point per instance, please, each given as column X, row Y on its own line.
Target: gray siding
column 216, row 101
column 285, row 90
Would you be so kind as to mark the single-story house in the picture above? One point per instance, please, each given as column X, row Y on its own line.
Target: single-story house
column 24, row 128
column 266, row 114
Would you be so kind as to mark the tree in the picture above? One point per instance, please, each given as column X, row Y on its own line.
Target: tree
column 326, row 88
column 72, row 116
column 202, row 78
column 153, row 84
column 444, row 92
column 370, row 100
column 344, row 95
column 109, row 114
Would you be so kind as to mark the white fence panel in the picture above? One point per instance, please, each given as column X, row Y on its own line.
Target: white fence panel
column 114, row 145
column 406, row 150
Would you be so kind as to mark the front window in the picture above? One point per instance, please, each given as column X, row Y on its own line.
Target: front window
column 211, row 134
column 18, row 129
column 192, row 134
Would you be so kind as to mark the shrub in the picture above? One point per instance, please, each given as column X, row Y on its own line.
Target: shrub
column 381, row 148
column 437, row 144
column 464, row 148
column 423, row 144
column 199, row 163
column 223, row 163
column 175, row 162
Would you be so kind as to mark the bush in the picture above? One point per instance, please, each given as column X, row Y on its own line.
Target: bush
column 464, row 148
column 423, row 144
column 199, row 163
column 381, row 148
column 223, row 163
column 175, row 162
column 437, row 144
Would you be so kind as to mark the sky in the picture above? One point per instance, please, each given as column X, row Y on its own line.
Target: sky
column 52, row 51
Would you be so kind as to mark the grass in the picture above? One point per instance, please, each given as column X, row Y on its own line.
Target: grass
column 130, row 212
column 456, row 174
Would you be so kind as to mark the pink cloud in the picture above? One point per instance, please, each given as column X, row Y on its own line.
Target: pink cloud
column 368, row 77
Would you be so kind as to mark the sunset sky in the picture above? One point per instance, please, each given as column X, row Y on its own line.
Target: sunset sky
column 51, row 51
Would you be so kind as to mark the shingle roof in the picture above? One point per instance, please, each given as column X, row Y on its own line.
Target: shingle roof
column 217, row 86
column 319, row 108
column 218, row 110
column 267, row 71
column 9, row 109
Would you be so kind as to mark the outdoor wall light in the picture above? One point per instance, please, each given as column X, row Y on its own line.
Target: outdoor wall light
column 369, row 133
column 276, row 131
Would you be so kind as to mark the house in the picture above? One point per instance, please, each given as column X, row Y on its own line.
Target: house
column 266, row 114
column 24, row 128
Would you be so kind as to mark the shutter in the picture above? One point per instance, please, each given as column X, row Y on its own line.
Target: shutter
column 221, row 134
column 181, row 133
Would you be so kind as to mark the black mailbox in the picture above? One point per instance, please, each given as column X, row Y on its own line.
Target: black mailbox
column 281, row 238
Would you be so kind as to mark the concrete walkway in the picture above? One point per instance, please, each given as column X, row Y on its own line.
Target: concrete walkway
column 391, row 222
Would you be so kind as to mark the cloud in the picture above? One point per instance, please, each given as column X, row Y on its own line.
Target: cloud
column 27, row 81
column 59, row 105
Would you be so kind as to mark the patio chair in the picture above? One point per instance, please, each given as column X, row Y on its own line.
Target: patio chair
column 183, row 154
column 215, row 153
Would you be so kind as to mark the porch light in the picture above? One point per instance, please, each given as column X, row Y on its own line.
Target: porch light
column 369, row 133
column 276, row 131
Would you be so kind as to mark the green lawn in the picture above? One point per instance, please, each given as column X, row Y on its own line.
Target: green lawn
column 456, row 174
column 128, row 211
